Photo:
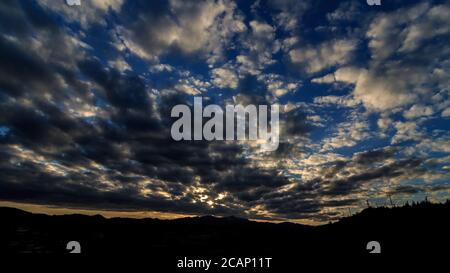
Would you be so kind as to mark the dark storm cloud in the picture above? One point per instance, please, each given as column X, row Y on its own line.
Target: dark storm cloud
column 73, row 192
column 305, row 201
column 131, row 142
column 406, row 190
column 295, row 123
column 158, row 156
column 374, row 156
column 353, row 182
column 18, row 62
column 144, row 22
column 409, row 189
column 122, row 91
column 310, row 199
column 248, row 178
column 252, row 91
column 28, row 66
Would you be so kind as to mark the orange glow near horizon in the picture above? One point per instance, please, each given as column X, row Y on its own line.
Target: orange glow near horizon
column 56, row 210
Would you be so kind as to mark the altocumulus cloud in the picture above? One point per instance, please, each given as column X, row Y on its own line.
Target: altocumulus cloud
column 86, row 94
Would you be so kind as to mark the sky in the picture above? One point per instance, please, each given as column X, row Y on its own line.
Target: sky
column 86, row 94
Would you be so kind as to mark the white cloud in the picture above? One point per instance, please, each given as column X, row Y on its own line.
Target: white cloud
column 191, row 26
column 446, row 113
column 345, row 101
column 288, row 43
column 278, row 85
column 186, row 88
column 382, row 93
column 316, row 120
column 348, row 133
column 258, row 47
column 376, row 92
column 435, row 22
column 161, row 67
column 88, row 13
column 329, row 78
column 418, row 111
column 389, row 85
column 224, row 78
column 385, row 32
column 325, row 55
column 437, row 144
column 347, row 11
column 192, row 85
column 406, row 29
column 406, row 131
column 120, row 64
column 384, row 123
column 290, row 11
column 344, row 74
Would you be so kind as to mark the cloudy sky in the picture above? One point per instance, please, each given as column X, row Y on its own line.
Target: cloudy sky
column 86, row 93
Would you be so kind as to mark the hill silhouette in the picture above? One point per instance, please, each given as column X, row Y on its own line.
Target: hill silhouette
column 420, row 228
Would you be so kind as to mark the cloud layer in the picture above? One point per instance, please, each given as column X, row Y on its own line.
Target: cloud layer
column 86, row 94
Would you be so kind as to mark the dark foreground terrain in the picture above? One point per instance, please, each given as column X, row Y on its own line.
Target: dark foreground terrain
column 420, row 229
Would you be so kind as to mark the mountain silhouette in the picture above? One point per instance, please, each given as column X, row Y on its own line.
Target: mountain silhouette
column 410, row 229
